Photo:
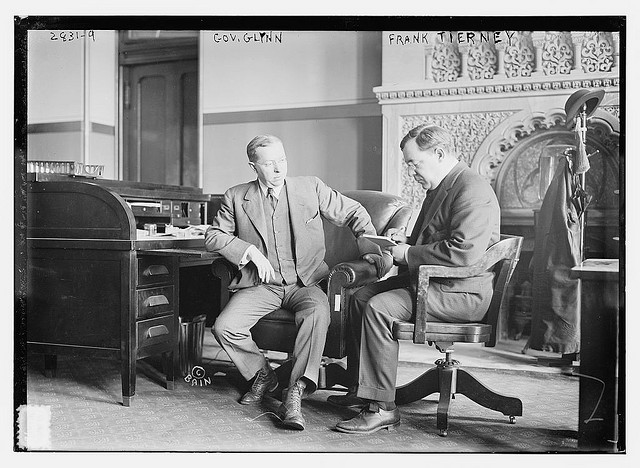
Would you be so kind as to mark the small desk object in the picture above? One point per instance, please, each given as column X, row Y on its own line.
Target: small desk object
column 97, row 283
column 602, row 361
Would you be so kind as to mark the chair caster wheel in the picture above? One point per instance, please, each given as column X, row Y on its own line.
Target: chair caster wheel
column 443, row 433
column 512, row 419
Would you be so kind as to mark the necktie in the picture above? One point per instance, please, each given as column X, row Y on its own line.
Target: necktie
column 272, row 198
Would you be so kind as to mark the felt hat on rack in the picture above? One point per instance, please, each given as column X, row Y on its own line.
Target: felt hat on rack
column 574, row 104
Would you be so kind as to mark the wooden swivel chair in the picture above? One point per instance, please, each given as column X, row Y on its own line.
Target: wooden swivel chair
column 277, row 330
column 447, row 377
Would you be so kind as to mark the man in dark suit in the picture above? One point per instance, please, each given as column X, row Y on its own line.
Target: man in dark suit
column 271, row 229
column 459, row 220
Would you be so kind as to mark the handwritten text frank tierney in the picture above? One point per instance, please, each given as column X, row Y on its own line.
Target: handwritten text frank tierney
column 459, row 37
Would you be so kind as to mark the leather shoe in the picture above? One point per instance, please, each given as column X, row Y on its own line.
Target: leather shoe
column 349, row 400
column 371, row 419
column 266, row 381
column 291, row 407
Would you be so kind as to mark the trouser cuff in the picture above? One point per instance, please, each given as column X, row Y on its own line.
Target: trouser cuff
column 376, row 394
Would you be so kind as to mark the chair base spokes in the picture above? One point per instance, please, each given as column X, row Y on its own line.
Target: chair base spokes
column 447, row 378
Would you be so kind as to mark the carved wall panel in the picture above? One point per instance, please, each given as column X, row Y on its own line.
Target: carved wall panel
column 469, row 131
column 613, row 110
column 503, row 97
column 492, row 154
column 518, row 185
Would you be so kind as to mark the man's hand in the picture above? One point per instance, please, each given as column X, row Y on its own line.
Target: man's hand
column 397, row 234
column 265, row 270
column 398, row 252
column 383, row 263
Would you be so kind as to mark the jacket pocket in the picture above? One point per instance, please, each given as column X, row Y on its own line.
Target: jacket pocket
column 315, row 216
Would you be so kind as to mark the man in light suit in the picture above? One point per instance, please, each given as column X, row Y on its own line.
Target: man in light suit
column 459, row 221
column 271, row 229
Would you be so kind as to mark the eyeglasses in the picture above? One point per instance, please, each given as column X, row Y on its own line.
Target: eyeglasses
column 414, row 165
column 270, row 164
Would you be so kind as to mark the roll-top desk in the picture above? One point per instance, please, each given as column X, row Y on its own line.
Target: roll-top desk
column 96, row 284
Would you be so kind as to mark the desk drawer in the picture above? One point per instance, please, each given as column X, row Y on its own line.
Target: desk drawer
column 154, row 302
column 155, row 331
column 155, row 270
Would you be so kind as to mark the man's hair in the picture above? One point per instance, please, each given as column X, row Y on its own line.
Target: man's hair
column 427, row 136
column 259, row 142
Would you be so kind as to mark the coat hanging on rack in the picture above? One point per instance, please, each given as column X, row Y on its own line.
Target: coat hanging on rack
column 555, row 315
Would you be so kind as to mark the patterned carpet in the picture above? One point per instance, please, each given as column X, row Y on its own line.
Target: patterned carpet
column 86, row 415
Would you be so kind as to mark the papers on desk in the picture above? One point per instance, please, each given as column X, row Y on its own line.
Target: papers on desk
column 143, row 233
column 382, row 241
column 174, row 232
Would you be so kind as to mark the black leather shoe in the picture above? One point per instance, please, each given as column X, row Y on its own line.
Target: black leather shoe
column 291, row 408
column 265, row 381
column 370, row 420
column 349, row 400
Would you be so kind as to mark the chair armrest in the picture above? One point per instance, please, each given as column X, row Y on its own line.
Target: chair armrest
column 435, row 271
column 344, row 277
column 506, row 251
column 352, row 274
column 224, row 270
column 348, row 275
column 439, row 271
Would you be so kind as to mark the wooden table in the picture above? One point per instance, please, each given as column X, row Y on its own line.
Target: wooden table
column 602, row 361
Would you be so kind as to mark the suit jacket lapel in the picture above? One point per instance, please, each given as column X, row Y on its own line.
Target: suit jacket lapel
column 439, row 197
column 253, row 207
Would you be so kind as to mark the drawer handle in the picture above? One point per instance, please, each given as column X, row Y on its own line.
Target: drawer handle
column 158, row 330
column 155, row 270
column 155, row 301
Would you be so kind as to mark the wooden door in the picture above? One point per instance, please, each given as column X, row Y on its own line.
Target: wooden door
column 160, row 122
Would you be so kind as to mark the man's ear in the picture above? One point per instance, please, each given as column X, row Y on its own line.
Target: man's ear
column 253, row 166
column 440, row 153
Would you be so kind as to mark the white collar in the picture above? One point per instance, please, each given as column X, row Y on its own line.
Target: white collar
column 264, row 188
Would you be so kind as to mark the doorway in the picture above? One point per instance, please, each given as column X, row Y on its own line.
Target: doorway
column 159, row 102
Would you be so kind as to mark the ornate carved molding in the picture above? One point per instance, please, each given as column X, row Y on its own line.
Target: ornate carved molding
column 597, row 52
column 602, row 132
column 446, row 62
column 469, row 131
column 413, row 93
column 490, row 159
column 613, row 110
column 482, row 60
column 557, row 53
column 519, row 57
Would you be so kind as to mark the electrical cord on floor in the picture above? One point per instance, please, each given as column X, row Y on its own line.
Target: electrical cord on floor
column 267, row 412
column 572, row 373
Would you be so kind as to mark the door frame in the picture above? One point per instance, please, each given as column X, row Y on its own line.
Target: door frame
column 139, row 52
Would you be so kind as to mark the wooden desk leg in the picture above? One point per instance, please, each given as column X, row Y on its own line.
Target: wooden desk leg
column 50, row 365
column 128, row 381
column 169, row 365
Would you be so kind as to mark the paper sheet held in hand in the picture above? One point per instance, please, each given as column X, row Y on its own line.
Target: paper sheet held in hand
column 382, row 241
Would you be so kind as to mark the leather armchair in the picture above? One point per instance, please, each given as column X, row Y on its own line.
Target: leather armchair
column 277, row 330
